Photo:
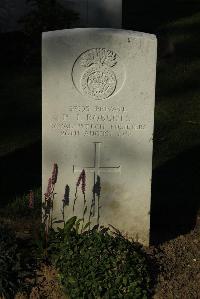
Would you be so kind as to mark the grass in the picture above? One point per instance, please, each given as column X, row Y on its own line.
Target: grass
column 19, row 208
column 20, row 108
column 178, row 99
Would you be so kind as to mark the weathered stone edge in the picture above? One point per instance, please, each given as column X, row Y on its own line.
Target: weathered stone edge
column 108, row 30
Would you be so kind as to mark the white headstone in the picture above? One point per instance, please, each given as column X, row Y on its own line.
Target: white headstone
column 98, row 115
column 97, row 13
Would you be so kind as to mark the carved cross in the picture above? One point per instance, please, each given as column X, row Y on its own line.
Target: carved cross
column 96, row 168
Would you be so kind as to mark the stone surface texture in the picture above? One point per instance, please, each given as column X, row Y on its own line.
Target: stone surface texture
column 98, row 115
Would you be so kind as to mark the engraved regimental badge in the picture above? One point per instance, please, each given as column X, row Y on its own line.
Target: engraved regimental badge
column 98, row 73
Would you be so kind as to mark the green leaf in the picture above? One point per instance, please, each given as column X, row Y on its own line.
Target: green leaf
column 71, row 279
column 69, row 224
column 86, row 225
column 125, row 281
column 78, row 225
column 99, row 264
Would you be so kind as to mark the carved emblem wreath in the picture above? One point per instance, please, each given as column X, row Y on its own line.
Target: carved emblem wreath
column 98, row 80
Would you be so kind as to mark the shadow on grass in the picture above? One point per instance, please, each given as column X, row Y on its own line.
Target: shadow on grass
column 189, row 86
column 175, row 196
column 20, row 172
column 188, row 50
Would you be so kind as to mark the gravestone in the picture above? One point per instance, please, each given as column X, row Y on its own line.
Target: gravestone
column 98, row 115
column 97, row 13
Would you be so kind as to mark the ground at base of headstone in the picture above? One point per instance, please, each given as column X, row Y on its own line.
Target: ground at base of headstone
column 47, row 285
column 178, row 260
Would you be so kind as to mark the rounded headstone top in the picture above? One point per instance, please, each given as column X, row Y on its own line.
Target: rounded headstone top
column 113, row 31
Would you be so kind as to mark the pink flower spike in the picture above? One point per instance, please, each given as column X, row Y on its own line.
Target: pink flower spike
column 49, row 188
column 31, row 200
column 54, row 173
column 66, row 196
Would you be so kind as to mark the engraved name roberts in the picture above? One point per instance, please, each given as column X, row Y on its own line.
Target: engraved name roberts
column 101, row 117
column 95, row 121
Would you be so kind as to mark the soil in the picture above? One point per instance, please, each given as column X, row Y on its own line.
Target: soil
column 47, row 285
column 178, row 264
column 179, row 261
